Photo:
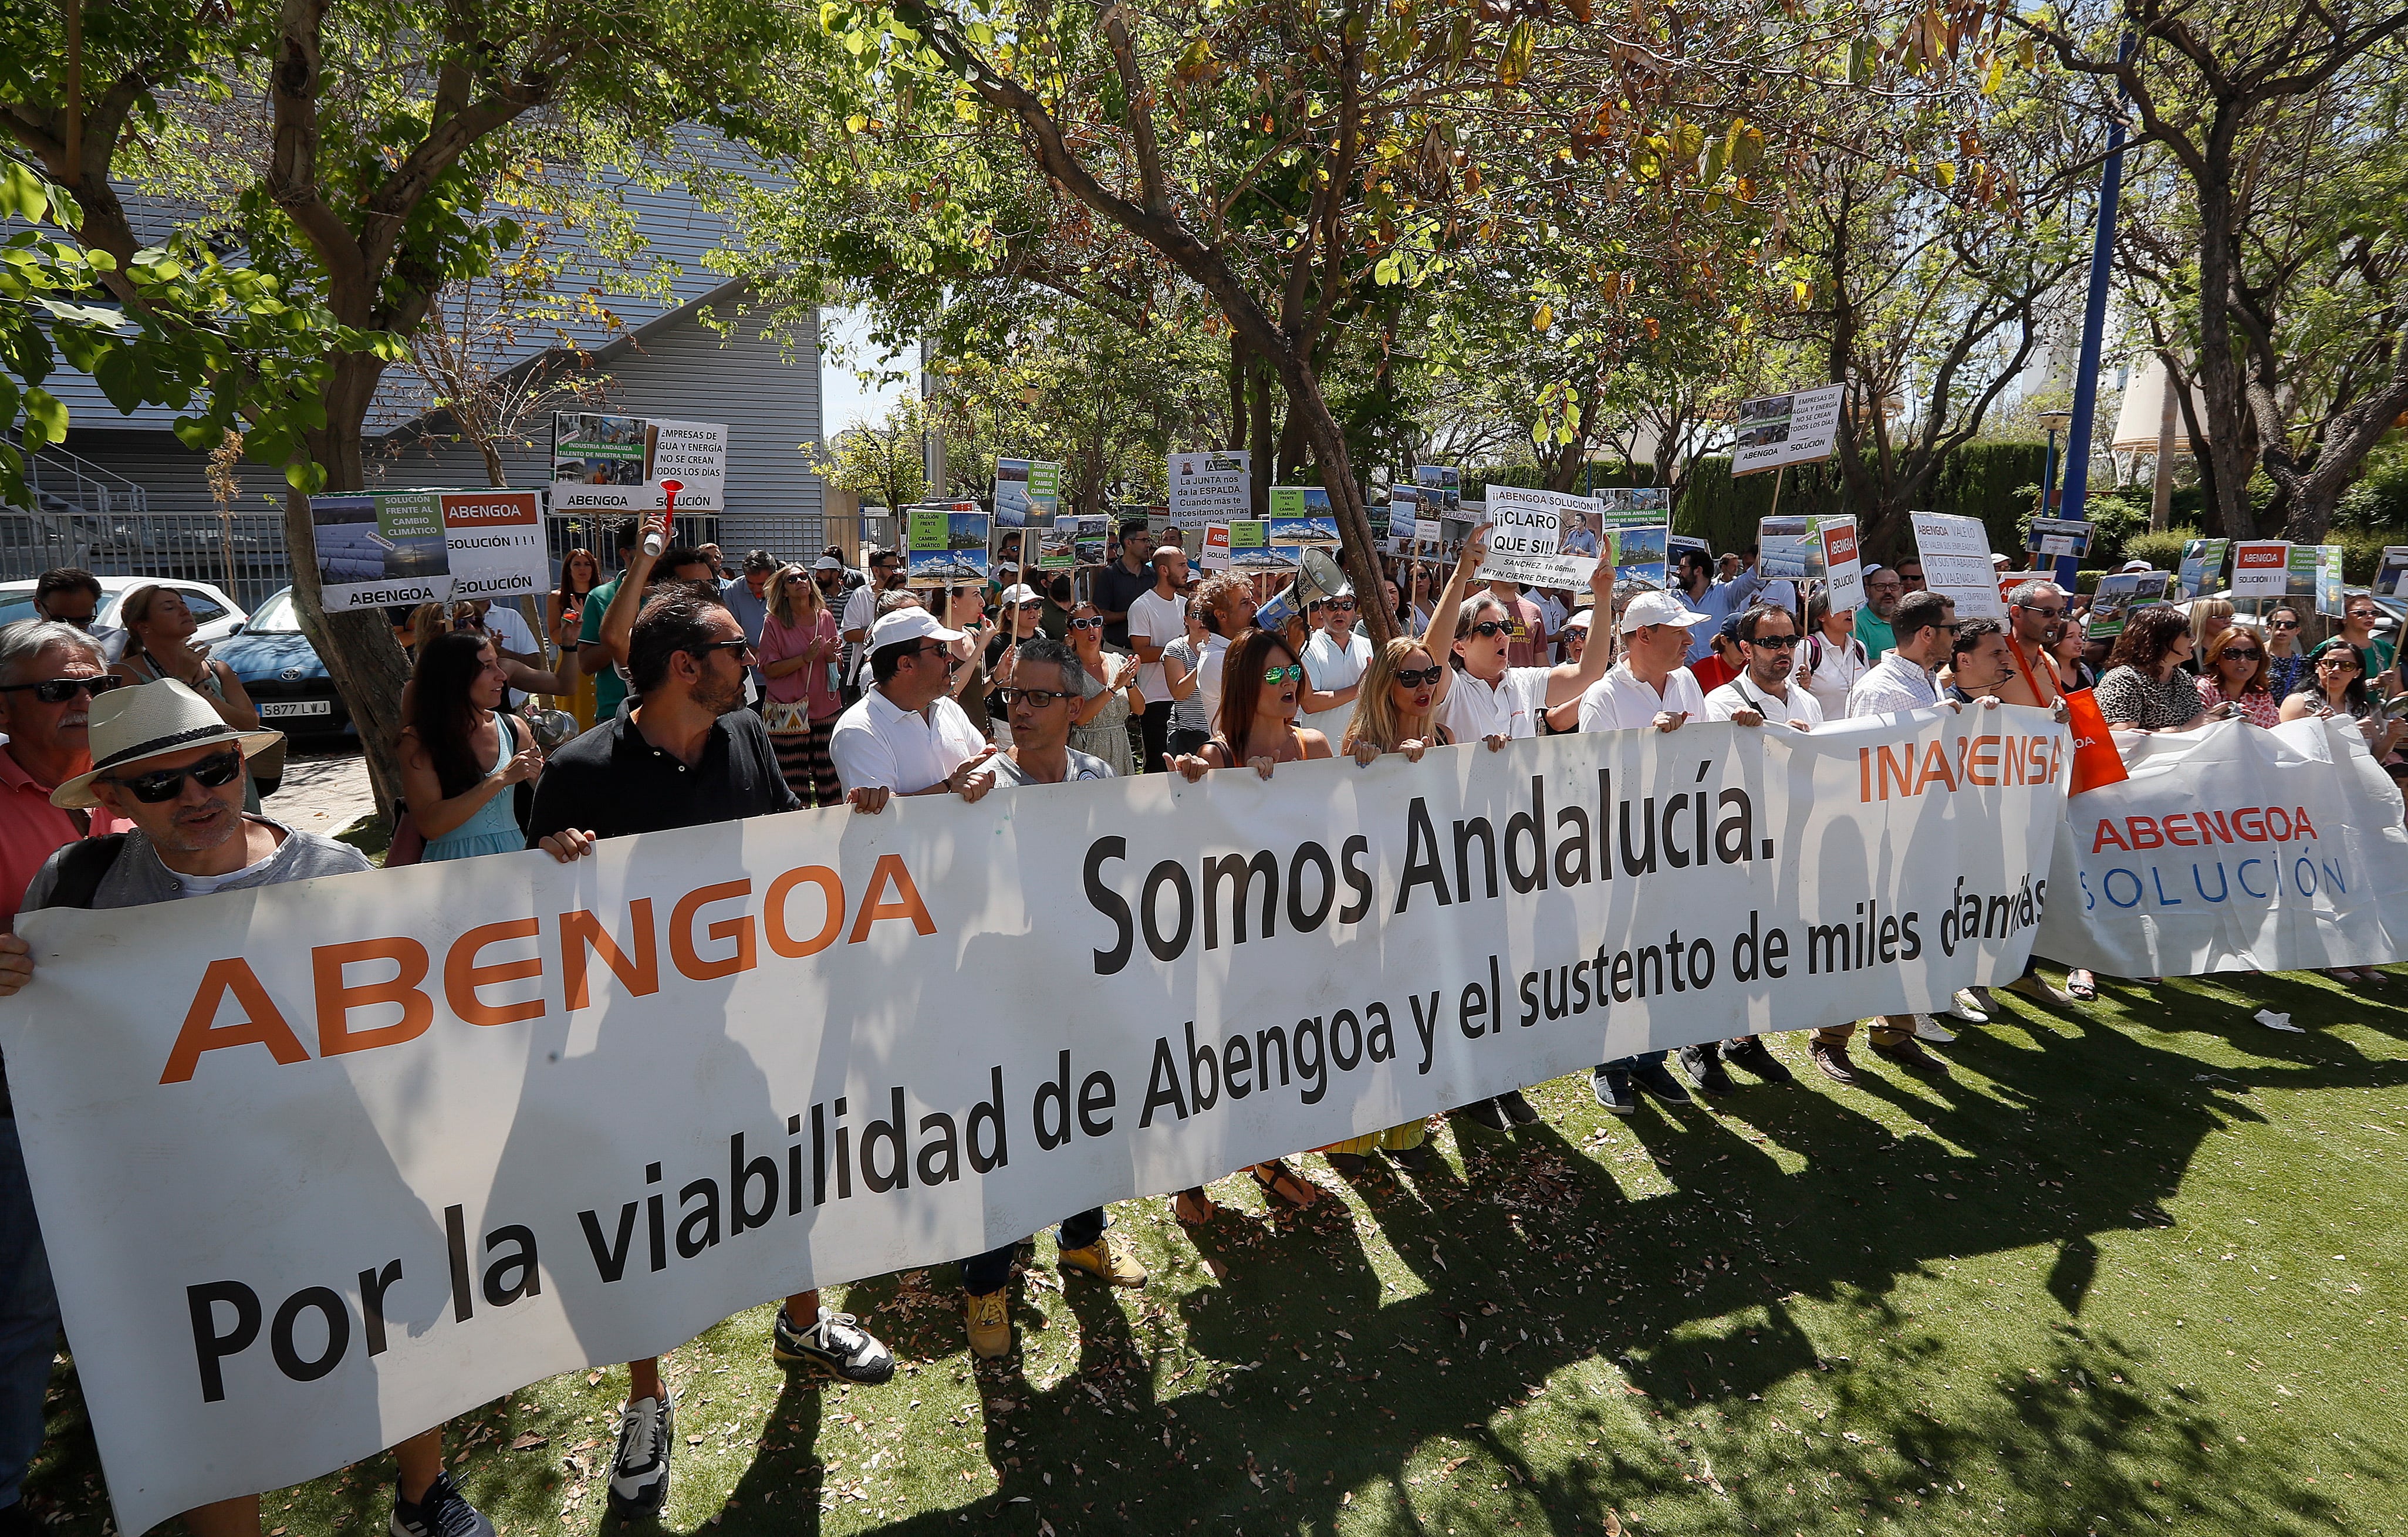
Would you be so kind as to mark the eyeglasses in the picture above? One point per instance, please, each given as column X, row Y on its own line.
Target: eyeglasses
column 1775, row 643
column 60, row 690
column 1288, row 674
column 1490, row 628
column 1086, row 624
column 1035, row 698
column 2043, row 610
column 213, row 772
column 1419, row 677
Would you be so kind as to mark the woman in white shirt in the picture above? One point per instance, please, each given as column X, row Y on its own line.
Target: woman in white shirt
column 1831, row 658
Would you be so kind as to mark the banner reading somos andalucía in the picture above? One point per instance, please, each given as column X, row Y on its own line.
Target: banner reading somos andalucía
column 373, row 1150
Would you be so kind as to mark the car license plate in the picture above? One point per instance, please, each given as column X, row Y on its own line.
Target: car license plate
column 297, row 707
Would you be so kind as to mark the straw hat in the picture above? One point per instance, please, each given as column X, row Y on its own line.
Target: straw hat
column 151, row 720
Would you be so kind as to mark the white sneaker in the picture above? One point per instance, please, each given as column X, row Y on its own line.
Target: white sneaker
column 1967, row 1005
column 1929, row 1029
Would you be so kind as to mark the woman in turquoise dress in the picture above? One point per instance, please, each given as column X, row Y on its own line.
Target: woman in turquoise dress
column 460, row 757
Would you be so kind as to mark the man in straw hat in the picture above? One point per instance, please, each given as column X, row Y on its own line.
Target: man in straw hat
column 164, row 760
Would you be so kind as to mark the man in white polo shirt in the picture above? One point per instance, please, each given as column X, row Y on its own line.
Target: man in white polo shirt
column 906, row 735
column 1647, row 690
column 1487, row 700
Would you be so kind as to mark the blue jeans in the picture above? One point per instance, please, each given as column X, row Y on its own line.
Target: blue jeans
column 29, row 1319
column 988, row 1272
column 1624, row 1064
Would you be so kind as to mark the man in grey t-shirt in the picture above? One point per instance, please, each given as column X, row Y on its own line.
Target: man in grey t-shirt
column 164, row 761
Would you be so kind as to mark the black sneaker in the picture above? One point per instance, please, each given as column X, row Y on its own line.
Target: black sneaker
column 440, row 1511
column 1705, row 1066
column 1413, row 1161
column 1517, row 1109
column 1483, row 1113
column 1657, row 1080
column 1612, row 1087
column 838, row 1345
column 639, row 1470
column 1753, row 1055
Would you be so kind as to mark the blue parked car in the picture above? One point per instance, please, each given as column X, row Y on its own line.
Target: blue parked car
column 280, row 670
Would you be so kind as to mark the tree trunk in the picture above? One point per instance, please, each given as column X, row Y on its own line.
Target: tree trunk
column 366, row 666
column 1264, row 469
column 1328, row 444
column 1237, row 438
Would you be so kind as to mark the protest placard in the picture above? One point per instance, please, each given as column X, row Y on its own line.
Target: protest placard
column 494, row 543
column 1215, row 553
column 2392, row 570
column 380, row 550
column 1300, row 514
column 1250, row 550
column 1639, row 554
column 1526, row 535
column 944, row 545
column 1843, row 565
column 1026, row 492
column 1210, row 486
column 2203, row 566
column 1779, row 430
column 2055, row 537
column 617, row 464
column 1957, row 562
column 2260, row 567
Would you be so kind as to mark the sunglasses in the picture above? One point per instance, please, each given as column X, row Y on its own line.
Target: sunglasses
column 1288, row 674
column 1343, row 605
column 739, row 646
column 1086, row 624
column 60, row 690
column 1775, row 643
column 2283, row 624
column 2234, row 654
column 2042, row 610
column 213, row 772
column 1419, row 677
column 1035, row 698
column 1490, row 628
column 2347, row 664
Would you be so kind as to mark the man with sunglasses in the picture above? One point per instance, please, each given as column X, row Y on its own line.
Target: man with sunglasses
column 1335, row 659
column 1921, row 626
column 688, row 755
column 1157, row 617
column 2035, row 624
column 906, row 736
column 166, row 764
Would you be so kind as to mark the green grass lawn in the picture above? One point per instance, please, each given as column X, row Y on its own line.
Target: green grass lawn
column 2132, row 1269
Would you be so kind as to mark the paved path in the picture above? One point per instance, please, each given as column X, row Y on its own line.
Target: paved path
column 322, row 792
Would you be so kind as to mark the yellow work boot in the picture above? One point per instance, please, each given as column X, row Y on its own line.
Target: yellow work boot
column 989, row 1320
column 1108, row 1259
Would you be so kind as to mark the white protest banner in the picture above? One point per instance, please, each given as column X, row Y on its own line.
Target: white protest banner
column 1957, row 562
column 1526, row 530
column 616, row 464
column 1212, row 486
column 1776, row 430
column 1843, row 565
column 2215, row 856
column 379, row 550
column 365, row 1152
column 2260, row 567
column 494, row 541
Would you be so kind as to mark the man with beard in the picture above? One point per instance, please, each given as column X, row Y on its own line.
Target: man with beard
column 688, row 753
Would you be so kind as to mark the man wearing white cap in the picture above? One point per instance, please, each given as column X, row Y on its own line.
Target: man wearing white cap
column 906, row 735
column 163, row 761
column 1647, row 690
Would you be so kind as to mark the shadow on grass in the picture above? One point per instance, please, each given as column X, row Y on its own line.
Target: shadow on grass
column 1304, row 1375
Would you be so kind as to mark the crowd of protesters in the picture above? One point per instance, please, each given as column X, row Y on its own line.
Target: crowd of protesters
column 701, row 695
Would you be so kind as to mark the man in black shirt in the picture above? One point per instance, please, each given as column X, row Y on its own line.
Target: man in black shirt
column 688, row 755
column 1123, row 581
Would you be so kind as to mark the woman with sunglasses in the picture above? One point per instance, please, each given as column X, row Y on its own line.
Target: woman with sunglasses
column 2337, row 688
column 798, row 655
column 1489, row 699
column 462, row 755
column 1182, row 662
column 2144, row 689
column 2287, row 665
column 2234, row 672
column 1107, row 680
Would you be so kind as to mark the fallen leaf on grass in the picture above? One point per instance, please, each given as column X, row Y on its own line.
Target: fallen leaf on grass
column 529, row 1440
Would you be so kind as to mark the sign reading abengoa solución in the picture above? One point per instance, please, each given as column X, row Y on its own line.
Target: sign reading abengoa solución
column 409, row 1140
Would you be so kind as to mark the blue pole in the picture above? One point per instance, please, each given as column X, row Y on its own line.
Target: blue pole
column 2094, row 320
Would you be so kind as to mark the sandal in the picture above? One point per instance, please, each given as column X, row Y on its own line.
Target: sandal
column 2083, row 986
column 1283, row 1181
column 1193, row 1207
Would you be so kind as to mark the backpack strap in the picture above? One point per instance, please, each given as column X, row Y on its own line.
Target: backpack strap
column 82, row 865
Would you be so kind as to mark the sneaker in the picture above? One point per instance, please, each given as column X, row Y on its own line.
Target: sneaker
column 440, row 1511
column 1834, row 1062
column 2032, row 984
column 1966, row 1004
column 1657, row 1080
column 1413, row 1161
column 1756, row 1058
column 1929, row 1029
column 1483, row 1113
column 1105, row 1257
column 1612, row 1087
column 837, row 1345
column 988, row 1317
column 1705, row 1066
column 639, row 1471
column 1907, row 1055
column 1517, row 1109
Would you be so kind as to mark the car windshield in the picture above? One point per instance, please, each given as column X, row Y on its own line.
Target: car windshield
column 16, row 606
column 276, row 613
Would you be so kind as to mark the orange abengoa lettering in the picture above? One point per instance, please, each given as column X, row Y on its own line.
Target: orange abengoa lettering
column 580, row 930
column 262, row 1024
column 336, row 999
column 773, row 911
column 740, row 928
column 463, row 978
column 906, row 903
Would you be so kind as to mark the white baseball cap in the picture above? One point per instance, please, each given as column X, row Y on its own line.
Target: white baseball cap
column 827, row 563
column 912, row 623
column 1657, row 609
column 1015, row 595
column 1580, row 619
column 2131, row 565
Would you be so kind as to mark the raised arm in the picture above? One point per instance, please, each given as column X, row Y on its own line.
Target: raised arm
column 1447, row 616
column 1571, row 680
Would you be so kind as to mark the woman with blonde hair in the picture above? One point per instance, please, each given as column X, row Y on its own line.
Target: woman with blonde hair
column 580, row 573
column 2210, row 617
column 159, row 631
column 797, row 649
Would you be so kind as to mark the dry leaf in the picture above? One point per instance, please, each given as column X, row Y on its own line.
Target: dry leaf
column 529, row 1440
